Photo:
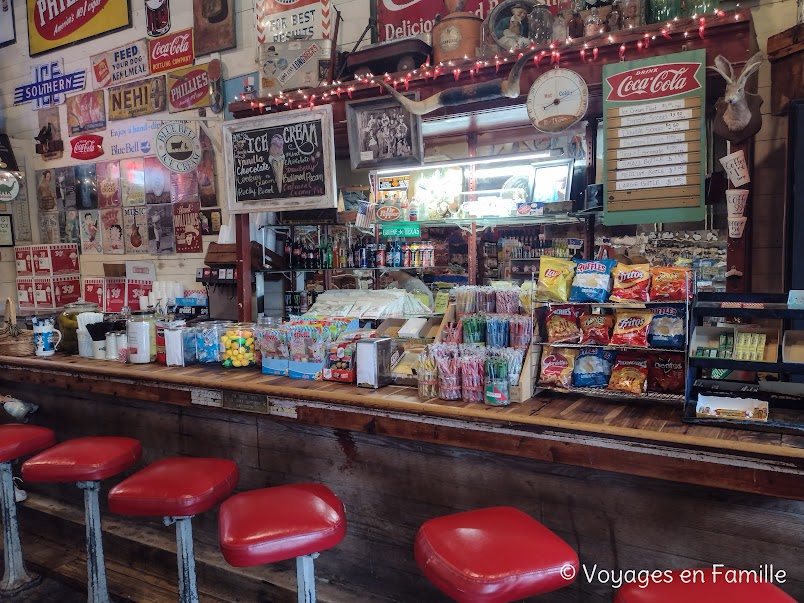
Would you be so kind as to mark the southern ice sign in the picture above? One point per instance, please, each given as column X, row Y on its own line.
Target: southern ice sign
column 281, row 162
column 654, row 133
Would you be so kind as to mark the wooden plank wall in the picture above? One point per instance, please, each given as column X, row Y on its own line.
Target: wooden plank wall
column 391, row 486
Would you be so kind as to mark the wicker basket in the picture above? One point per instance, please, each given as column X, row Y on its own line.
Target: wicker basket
column 13, row 340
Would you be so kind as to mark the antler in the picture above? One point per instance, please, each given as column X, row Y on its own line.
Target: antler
column 751, row 66
column 722, row 66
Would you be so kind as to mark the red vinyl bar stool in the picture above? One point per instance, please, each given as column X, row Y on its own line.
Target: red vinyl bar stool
column 275, row 524
column 16, row 441
column 87, row 461
column 691, row 588
column 493, row 555
column 177, row 489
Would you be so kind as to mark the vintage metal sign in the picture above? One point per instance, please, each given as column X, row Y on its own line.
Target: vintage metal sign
column 86, row 113
column 53, row 24
column 9, row 187
column 50, row 84
column 129, row 62
column 653, row 83
column 137, row 98
column 86, row 147
column 178, row 147
column 188, row 88
column 171, row 51
column 281, row 20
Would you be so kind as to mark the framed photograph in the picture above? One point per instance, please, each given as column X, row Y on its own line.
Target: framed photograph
column 73, row 23
column 214, row 25
column 382, row 133
column 8, row 31
column 6, row 230
column 280, row 162
column 509, row 25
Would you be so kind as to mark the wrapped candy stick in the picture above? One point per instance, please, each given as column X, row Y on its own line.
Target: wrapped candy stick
column 507, row 300
column 472, row 377
column 497, row 330
column 520, row 331
column 427, row 374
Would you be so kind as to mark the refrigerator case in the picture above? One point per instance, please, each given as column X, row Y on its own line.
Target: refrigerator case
column 293, row 65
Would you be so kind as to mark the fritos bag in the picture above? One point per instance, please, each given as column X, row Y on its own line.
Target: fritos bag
column 555, row 279
column 670, row 284
column 557, row 366
column 562, row 325
column 630, row 374
column 631, row 283
column 666, row 373
column 631, row 328
column 596, row 328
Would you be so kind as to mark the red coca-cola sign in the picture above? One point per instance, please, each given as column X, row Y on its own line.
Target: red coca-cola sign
column 86, row 147
column 654, row 82
column 57, row 21
column 171, row 51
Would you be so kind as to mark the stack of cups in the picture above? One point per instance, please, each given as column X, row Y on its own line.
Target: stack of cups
column 735, row 204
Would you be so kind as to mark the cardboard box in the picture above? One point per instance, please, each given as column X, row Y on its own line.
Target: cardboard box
column 114, row 294
column 64, row 259
column 93, row 291
column 793, row 347
column 139, row 270
column 275, row 366
column 43, row 293
column 22, row 255
column 66, row 289
column 309, row 371
column 25, row 293
column 135, row 288
column 40, row 256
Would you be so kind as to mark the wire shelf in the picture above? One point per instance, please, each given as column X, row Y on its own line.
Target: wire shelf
column 601, row 392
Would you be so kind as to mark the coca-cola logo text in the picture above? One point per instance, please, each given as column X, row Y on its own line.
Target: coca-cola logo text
column 168, row 47
column 86, row 147
column 650, row 83
column 171, row 51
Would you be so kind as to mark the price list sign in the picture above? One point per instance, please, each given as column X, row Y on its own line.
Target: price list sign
column 654, row 138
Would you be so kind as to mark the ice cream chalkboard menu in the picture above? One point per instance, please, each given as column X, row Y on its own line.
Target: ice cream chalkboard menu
column 280, row 162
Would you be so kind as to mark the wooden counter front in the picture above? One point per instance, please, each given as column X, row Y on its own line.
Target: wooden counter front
column 644, row 439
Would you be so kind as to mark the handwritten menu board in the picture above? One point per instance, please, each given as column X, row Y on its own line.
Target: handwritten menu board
column 281, row 162
column 654, row 132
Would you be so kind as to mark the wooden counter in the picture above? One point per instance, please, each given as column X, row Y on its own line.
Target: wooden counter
column 637, row 438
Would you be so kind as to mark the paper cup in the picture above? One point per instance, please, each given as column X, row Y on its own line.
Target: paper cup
column 735, row 202
column 736, row 227
column 736, row 168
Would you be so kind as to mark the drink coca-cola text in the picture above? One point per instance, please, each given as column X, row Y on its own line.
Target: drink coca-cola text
column 650, row 83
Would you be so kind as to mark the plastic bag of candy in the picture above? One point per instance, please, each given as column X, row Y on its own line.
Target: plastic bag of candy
column 592, row 282
column 631, row 328
column 562, row 325
column 555, row 279
column 593, row 367
column 596, row 328
column 631, row 282
column 667, row 327
column 670, row 284
column 630, row 374
column 557, row 366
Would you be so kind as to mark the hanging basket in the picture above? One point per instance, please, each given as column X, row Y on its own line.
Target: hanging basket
column 13, row 340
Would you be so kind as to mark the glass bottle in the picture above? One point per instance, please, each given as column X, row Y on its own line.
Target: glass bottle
column 540, row 24
column 68, row 324
column 141, row 334
column 157, row 13
column 664, row 10
column 614, row 20
column 593, row 23
column 575, row 26
column 560, row 30
column 631, row 14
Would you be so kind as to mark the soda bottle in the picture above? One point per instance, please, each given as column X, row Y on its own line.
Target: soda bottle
column 157, row 13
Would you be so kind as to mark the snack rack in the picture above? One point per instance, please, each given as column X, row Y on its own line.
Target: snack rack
column 783, row 355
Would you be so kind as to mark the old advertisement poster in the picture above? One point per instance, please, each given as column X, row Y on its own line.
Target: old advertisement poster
column 53, row 25
column 137, row 98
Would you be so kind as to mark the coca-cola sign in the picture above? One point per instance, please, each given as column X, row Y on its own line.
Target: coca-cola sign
column 172, row 51
column 654, row 82
column 86, row 147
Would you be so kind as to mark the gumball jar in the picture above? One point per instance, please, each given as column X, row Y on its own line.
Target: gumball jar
column 237, row 345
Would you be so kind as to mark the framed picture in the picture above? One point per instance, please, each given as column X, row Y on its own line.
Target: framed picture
column 214, row 25
column 8, row 31
column 509, row 25
column 382, row 133
column 49, row 29
column 280, row 162
column 6, row 230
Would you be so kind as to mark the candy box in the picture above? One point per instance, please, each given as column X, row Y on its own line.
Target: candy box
column 64, row 258
column 22, row 255
column 43, row 293
column 25, row 294
column 66, row 289
column 114, row 294
column 93, row 291
column 340, row 363
column 40, row 256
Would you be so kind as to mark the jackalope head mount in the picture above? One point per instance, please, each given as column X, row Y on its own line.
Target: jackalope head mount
column 737, row 111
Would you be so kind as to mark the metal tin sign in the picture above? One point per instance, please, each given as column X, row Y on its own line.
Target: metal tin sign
column 137, row 98
column 49, row 86
column 282, row 20
column 129, row 62
column 9, row 187
column 86, row 147
column 654, row 127
column 188, row 88
column 401, row 229
column 178, row 147
column 86, row 113
column 388, row 213
column 171, row 51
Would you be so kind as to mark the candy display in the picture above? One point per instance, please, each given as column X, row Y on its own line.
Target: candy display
column 670, row 284
column 593, row 367
column 449, row 371
column 208, row 342
column 520, row 331
column 555, row 279
column 474, row 329
column 496, row 382
column 515, row 359
column 497, row 330
column 631, row 327
column 592, row 282
column 667, row 327
column 472, row 377
column 485, row 300
column 630, row 374
column 562, row 325
column 465, row 301
column 557, row 366
column 427, row 374
column 237, row 345
column 631, row 283
column 666, row 373
column 507, row 300
column 596, row 328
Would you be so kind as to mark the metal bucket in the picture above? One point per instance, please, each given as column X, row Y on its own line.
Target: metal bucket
column 456, row 36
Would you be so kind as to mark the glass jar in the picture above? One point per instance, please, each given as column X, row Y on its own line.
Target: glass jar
column 540, row 23
column 208, row 340
column 237, row 345
column 68, row 324
column 141, row 332
column 263, row 323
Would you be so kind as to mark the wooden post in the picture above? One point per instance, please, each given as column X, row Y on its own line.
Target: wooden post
column 243, row 244
column 738, row 251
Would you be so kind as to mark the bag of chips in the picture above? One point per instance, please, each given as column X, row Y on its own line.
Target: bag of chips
column 593, row 367
column 666, row 373
column 630, row 374
column 667, row 327
column 592, row 282
column 670, row 284
column 631, row 328
column 596, row 328
column 557, row 366
column 562, row 325
column 631, row 283
column 555, row 279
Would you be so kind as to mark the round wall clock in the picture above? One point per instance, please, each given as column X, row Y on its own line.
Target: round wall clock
column 557, row 100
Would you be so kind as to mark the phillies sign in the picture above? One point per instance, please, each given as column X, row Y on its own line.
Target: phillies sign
column 188, row 88
column 653, row 83
column 171, row 51
column 86, row 147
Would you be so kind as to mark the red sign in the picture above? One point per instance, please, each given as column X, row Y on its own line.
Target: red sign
column 58, row 22
column 171, row 51
column 188, row 88
column 86, row 147
column 654, row 82
column 388, row 213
